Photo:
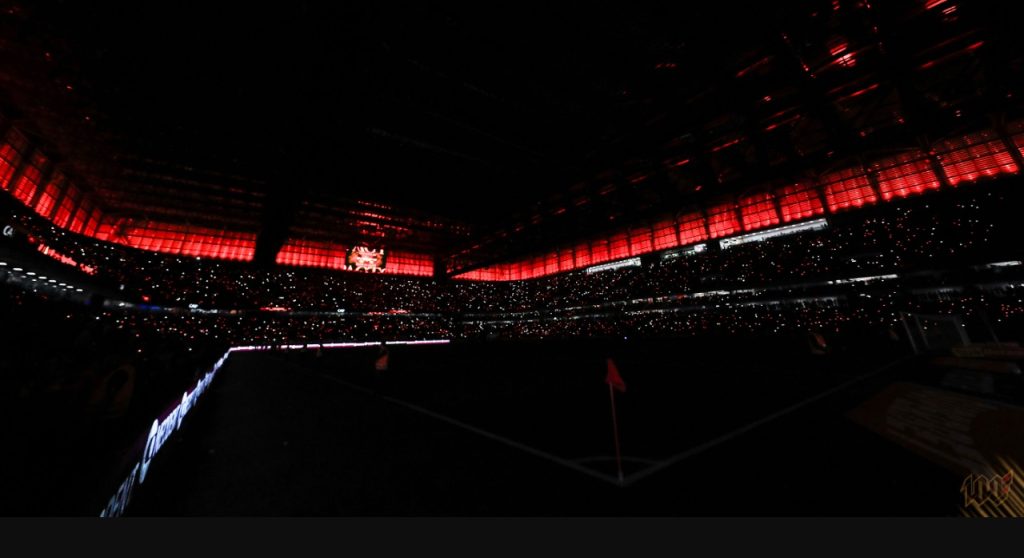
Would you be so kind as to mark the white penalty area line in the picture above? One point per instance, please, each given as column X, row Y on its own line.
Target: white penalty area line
column 481, row 432
column 630, row 479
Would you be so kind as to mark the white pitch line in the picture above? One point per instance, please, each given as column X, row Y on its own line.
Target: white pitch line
column 487, row 434
column 630, row 479
column 643, row 460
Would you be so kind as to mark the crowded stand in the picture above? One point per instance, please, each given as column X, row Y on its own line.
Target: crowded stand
column 956, row 233
column 901, row 252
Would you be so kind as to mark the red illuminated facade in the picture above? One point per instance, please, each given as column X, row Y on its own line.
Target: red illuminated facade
column 181, row 240
column 906, row 175
column 722, row 220
column 28, row 176
column 968, row 159
column 326, row 255
column 799, row 201
column 975, row 157
column 848, row 189
column 758, row 211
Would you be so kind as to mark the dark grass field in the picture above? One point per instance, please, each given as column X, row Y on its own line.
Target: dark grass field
column 730, row 427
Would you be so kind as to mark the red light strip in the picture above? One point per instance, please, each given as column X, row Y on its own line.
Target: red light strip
column 971, row 158
column 905, row 176
column 799, row 201
column 722, row 220
column 758, row 211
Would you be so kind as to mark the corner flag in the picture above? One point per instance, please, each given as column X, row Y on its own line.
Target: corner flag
column 614, row 381
column 613, row 378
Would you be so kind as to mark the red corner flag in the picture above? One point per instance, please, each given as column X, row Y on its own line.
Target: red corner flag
column 613, row 379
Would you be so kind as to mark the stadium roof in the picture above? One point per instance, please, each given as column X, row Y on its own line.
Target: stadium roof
column 483, row 130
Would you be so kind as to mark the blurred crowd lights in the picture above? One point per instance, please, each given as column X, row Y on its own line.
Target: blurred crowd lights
column 815, row 225
column 336, row 345
column 30, row 276
column 631, row 262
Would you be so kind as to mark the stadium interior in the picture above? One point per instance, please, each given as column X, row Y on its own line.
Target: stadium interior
column 318, row 259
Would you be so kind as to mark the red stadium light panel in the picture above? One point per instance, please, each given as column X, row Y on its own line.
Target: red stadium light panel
column 93, row 221
column 538, row 266
column 26, row 185
column 551, row 263
column 722, row 220
column 692, row 229
column 182, row 240
column 407, row 263
column 11, row 153
column 475, row 275
column 599, row 251
column 975, row 157
column 73, row 205
column 306, row 253
column 105, row 229
column 47, row 199
column 640, row 241
column 905, row 175
column 847, row 188
column 78, row 214
column 582, row 256
column 78, row 220
column 565, row 260
column 799, row 201
column 324, row 255
column 1018, row 139
column 665, row 235
column 618, row 246
column 74, row 209
column 491, row 273
column 758, row 211
column 519, row 271
column 535, row 268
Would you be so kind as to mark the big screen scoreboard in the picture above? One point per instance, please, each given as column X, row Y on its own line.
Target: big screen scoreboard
column 364, row 258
